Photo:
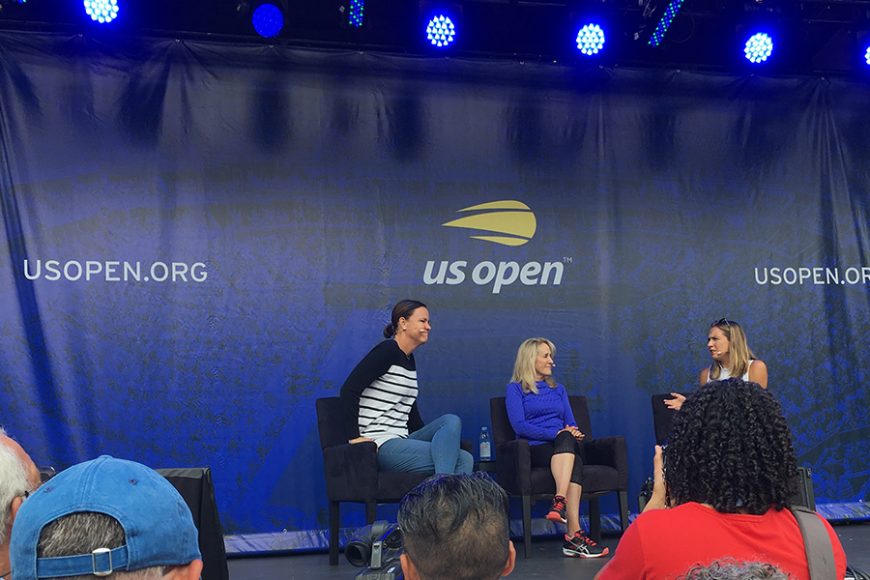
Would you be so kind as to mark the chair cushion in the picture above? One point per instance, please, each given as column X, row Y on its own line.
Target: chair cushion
column 351, row 472
column 393, row 485
column 595, row 478
column 600, row 478
column 542, row 481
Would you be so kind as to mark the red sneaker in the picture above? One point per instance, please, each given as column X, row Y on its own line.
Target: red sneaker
column 557, row 511
column 582, row 546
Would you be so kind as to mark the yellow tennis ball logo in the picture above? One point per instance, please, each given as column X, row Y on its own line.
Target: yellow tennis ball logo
column 512, row 222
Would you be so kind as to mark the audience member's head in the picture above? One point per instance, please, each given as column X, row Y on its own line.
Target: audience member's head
column 728, row 569
column 731, row 448
column 18, row 477
column 106, row 515
column 455, row 527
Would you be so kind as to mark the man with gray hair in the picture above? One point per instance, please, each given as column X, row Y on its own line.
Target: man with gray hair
column 106, row 517
column 455, row 527
column 18, row 477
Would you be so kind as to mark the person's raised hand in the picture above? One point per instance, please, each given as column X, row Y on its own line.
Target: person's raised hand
column 676, row 403
column 659, row 494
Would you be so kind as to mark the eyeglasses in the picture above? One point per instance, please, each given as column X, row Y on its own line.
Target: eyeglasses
column 721, row 322
column 46, row 472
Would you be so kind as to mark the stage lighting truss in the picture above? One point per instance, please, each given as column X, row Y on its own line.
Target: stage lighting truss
column 440, row 32
column 664, row 24
column 808, row 36
column 12, row 3
column 758, row 48
column 102, row 11
column 590, row 39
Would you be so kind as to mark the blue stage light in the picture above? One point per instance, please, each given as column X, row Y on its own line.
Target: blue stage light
column 356, row 13
column 758, row 48
column 671, row 11
column 590, row 39
column 268, row 20
column 440, row 31
column 867, row 55
column 102, row 11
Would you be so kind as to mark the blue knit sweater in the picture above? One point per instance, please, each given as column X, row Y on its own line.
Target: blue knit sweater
column 538, row 417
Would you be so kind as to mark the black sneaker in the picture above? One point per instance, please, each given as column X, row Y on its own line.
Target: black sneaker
column 582, row 546
column 557, row 511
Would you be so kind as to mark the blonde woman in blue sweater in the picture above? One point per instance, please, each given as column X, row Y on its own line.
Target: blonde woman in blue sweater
column 539, row 411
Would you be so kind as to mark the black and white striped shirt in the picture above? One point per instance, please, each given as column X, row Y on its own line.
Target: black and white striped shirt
column 379, row 397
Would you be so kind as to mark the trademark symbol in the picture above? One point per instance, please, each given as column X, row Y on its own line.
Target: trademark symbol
column 567, row 260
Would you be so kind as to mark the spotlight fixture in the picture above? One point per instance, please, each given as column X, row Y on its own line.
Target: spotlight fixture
column 267, row 18
column 664, row 24
column 352, row 14
column 860, row 47
column 356, row 13
column 102, row 11
column 440, row 32
column 590, row 39
column 758, row 48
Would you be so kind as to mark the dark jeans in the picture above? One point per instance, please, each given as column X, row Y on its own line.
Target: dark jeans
column 564, row 443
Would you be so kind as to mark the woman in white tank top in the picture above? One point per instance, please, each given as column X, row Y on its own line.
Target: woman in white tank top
column 732, row 357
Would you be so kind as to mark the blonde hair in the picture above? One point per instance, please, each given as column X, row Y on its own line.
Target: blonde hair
column 524, row 366
column 739, row 353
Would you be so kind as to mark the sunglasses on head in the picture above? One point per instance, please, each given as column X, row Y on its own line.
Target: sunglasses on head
column 723, row 322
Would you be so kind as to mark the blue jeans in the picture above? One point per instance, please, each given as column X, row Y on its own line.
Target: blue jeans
column 433, row 449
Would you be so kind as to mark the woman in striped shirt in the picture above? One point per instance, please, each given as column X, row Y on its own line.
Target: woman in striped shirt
column 379, row 400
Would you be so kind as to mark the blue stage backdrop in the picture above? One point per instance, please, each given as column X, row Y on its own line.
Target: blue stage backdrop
column 201, row 239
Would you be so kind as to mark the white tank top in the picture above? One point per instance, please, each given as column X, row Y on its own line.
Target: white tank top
column 726, row 373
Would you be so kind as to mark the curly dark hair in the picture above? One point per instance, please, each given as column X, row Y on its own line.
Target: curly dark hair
column 729, row 569
column 731, row 448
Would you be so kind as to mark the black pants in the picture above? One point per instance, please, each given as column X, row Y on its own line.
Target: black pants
column 564, row 443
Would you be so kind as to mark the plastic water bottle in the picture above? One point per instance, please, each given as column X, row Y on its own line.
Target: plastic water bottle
column 485, row 449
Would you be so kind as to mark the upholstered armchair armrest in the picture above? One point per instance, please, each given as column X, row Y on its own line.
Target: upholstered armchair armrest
column 514, row 466
column 611, row 451
column 351, row 471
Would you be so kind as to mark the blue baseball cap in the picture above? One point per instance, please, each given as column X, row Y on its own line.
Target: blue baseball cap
column 158, row 527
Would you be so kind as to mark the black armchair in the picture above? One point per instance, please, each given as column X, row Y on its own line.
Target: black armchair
column 352, row 471
column 663, row 418
column 605, row 468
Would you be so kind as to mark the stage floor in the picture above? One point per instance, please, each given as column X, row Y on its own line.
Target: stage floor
column 547, row 561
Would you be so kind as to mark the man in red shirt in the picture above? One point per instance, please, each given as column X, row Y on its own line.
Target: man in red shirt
column 728, row 475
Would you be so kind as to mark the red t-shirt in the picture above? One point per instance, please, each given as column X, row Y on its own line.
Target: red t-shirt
column 664, row 544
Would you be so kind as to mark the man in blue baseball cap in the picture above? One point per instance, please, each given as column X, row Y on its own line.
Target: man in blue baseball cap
column 105, row 517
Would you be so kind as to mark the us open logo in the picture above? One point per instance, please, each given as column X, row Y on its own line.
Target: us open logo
column 507, row 223
column 514, row 220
